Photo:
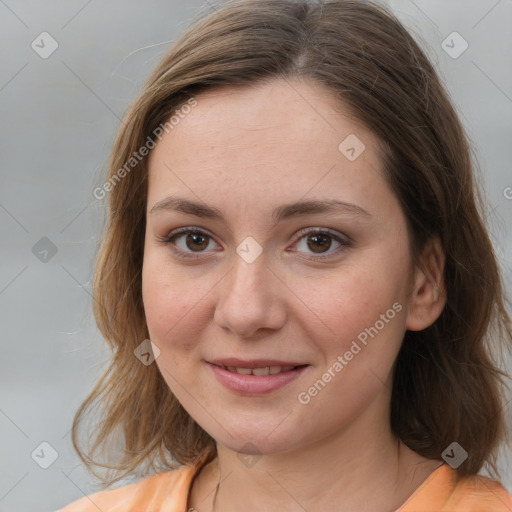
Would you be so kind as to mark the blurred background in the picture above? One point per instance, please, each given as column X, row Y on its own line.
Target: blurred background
column 69, row 70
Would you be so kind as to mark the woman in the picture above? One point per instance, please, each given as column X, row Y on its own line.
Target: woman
column 293, row 223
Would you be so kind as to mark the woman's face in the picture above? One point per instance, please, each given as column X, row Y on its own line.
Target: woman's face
column 269, row 270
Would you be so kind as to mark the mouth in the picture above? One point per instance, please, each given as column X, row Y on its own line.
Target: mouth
column 256, row 377
column 261, row 370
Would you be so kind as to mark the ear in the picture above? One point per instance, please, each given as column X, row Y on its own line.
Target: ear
column 428, row 296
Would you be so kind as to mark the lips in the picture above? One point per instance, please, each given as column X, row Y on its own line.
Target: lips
column 256, row 366
column 265, row 370
column 257, row 376
column 255, row 363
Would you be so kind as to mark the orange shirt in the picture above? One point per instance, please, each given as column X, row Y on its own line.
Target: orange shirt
column 167, row 491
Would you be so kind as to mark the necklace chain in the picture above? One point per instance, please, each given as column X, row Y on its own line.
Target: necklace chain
column 216, row 492
column 215, row 498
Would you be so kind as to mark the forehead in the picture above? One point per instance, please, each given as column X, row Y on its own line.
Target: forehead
column 285, row 138
column 276, row 112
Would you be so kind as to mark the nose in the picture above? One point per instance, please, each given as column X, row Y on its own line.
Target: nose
column 251, row 298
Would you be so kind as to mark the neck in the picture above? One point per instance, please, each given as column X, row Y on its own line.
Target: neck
column 363, row 471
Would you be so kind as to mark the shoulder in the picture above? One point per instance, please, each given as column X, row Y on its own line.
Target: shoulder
column 167, row 489
column 444, row 491
column 479, row 493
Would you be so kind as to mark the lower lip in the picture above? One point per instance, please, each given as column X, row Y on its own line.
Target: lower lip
column 255, row 384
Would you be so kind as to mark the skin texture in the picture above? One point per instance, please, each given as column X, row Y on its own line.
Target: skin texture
column 246, row 151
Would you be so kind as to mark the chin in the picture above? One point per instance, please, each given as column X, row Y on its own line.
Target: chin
column 254, row 441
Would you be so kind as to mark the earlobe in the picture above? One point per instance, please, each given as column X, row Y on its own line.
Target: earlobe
column 428, row 296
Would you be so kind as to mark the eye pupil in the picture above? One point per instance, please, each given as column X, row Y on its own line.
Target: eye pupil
column 196, row 239
column 324, row 240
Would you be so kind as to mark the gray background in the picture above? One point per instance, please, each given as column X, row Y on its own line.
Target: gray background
column 59, row 117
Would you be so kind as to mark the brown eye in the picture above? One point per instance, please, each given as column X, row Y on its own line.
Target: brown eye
column 319, row 243
column 189, row 242
column 196, row 241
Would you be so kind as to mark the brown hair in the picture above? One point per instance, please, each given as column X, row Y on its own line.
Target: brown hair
column 447, row 385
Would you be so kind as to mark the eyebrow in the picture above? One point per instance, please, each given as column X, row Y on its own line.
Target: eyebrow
column 283, row 212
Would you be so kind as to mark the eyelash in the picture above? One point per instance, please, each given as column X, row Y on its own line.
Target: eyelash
column 171, row 237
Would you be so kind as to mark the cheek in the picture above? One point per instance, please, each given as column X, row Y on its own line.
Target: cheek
column 169, row 305
column 361, row 308
column 169, row 310
column 365, row 311
column 351, row 299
